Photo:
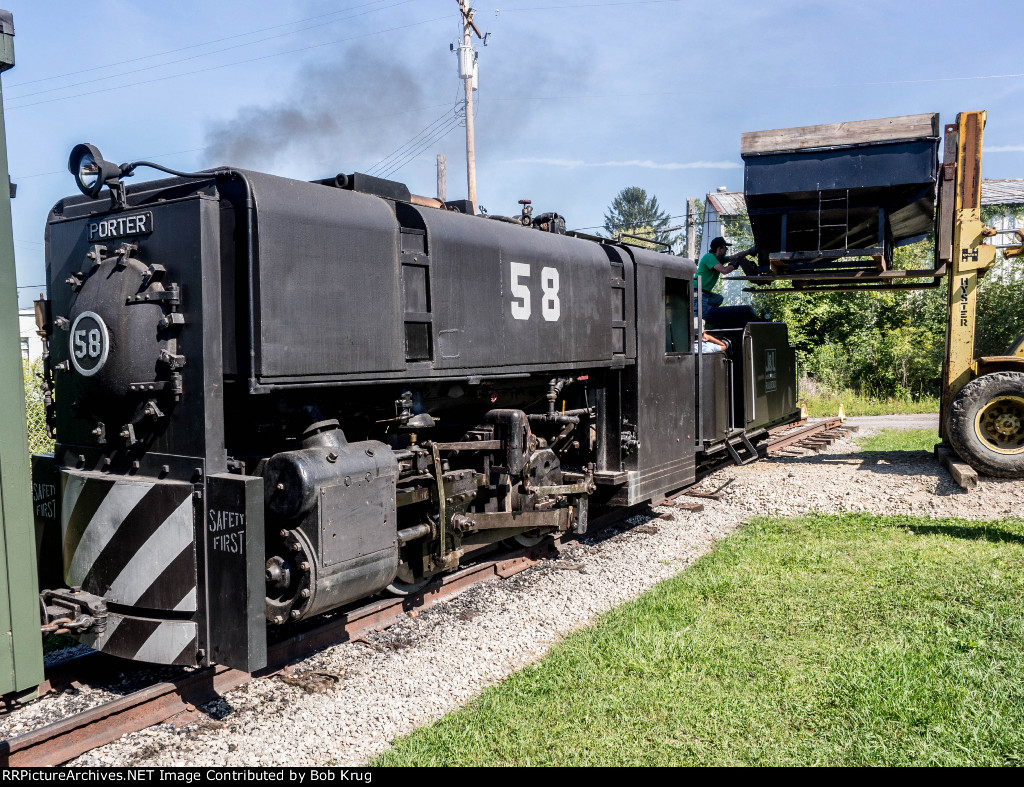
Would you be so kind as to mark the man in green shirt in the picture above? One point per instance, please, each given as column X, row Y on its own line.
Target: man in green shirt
column 710, row 269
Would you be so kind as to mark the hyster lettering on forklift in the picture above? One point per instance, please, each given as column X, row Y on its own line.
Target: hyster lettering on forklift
column 828, row 204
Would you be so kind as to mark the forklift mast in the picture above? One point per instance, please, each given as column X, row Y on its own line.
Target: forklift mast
column 971, row 257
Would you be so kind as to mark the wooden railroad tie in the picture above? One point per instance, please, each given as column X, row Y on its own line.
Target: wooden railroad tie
column 705, row 495
column 686, row 505
column 964, row 475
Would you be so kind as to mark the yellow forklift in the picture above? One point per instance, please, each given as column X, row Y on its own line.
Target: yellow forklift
column 827, row 206
column 982, row 415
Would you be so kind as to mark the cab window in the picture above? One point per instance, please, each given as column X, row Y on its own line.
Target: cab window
column 677, row 315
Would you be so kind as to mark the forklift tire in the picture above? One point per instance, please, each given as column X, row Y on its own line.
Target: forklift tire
column 986, row 424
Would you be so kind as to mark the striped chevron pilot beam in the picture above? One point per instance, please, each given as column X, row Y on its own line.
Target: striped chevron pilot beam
column 146, row 639
column 132, row 542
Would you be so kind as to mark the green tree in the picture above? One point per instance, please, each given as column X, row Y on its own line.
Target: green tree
column 884, row 343
column 1000, row 308
column 39, row 441
column 736, row 229
column 698, row 228
column 633, row 212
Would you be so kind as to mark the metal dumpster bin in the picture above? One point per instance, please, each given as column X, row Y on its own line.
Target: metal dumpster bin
column 816, row 194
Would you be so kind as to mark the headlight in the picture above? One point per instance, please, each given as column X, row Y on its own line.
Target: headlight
column 91, row 171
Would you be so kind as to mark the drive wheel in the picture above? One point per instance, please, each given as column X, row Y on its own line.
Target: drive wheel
column 529, row 539
column 986, row 424
column 402, row 589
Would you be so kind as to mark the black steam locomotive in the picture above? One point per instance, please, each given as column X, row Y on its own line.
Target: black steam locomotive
column 272, row 398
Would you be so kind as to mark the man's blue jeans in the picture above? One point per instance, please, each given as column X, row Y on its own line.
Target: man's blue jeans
column 711, row 300
column 725, row 316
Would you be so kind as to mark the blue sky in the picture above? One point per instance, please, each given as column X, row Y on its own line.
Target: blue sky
column 578, row 98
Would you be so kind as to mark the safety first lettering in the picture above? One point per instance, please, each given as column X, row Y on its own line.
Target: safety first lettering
column 228, row 531
column 44, row 498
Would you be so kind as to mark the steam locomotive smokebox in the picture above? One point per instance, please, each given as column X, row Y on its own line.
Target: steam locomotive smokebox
column 333, row 509
column 866, row 185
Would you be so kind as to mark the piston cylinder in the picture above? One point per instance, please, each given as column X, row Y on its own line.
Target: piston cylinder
column 333, row 505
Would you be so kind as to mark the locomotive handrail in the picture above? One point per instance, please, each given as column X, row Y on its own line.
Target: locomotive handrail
column 645, row 240
column 699, row 315
column 753, row 385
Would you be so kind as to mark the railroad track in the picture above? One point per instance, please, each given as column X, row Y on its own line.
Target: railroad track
column 61, row 741
column 58, row 742
column 812, row 438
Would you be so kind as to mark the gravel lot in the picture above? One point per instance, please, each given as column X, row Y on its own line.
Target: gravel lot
column 911, row 421
column 347, row 703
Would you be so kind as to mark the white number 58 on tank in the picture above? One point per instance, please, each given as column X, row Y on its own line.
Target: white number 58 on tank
column 550, row 305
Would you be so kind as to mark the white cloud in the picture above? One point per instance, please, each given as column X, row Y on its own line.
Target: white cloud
column 1004, row 149
column 632, row 163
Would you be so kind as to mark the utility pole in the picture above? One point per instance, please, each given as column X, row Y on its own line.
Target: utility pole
column 441, row 178
column 691, row 234
column 468, row 73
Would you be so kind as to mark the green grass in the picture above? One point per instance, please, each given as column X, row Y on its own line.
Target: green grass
column 55, row 642
column 824, row 404
column 900, row 440
column 841, row 640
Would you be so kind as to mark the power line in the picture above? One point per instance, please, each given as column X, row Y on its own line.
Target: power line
column 228, row 65
column 151, row 156
column 384, row 162
column 202, row 54
column 412, row 153
column 80, row 71
column 441, row 134
column 587, row 5
column 19, row 178
column 601, row 226
column 399, row 166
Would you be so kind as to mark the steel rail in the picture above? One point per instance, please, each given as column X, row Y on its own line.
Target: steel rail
column 795, row 436
column 61, row 741
column 58, row 742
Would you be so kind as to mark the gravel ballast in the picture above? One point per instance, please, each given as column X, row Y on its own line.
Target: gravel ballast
column 345, row 704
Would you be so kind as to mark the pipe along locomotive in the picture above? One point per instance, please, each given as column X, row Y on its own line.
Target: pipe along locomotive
column 272, row 398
